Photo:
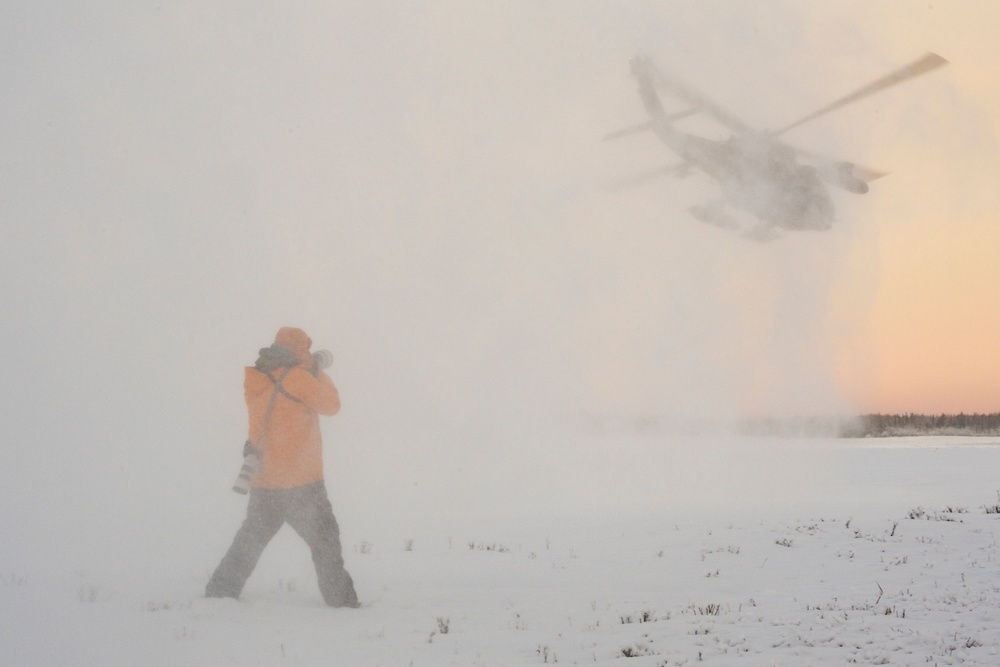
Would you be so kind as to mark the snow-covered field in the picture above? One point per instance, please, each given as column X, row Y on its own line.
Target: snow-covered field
column 755, row 552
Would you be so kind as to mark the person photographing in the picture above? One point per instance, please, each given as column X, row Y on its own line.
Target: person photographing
column 286, row 391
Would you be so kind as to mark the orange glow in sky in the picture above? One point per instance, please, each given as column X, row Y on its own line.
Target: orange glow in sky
column 929, row 342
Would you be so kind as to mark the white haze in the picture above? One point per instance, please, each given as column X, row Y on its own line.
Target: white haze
column 422, row 188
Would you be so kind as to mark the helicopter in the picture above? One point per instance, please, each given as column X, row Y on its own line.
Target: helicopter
column 756, row 171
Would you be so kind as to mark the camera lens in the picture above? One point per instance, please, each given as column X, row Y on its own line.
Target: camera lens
column 322, row 359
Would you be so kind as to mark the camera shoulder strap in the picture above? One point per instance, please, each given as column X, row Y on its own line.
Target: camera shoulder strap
column 279, row 389
column 274, row 397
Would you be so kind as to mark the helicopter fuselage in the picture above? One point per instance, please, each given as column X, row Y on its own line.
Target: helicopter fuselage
column 754, row 174
column 757, row 171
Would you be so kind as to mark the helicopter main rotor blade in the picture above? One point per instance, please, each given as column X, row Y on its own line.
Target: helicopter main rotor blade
column 867, row 175
column 928, row 62
column 648, row 125
column 641, row 127
column 679, row 170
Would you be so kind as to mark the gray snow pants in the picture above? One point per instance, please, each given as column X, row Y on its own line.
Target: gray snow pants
column 307, row 509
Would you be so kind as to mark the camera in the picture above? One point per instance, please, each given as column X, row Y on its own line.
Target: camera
column 251, row 464
column 277, row 356
column 322, row 359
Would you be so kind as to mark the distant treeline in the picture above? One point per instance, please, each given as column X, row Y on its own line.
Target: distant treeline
column 875, row 425
column 878, row 425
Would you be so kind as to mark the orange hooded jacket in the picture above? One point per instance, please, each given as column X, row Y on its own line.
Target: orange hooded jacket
column 291, row 442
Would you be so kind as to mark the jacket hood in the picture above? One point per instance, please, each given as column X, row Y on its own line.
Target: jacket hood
column 297, row 341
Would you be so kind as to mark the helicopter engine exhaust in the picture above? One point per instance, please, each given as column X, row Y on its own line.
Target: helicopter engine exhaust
column 843, row 175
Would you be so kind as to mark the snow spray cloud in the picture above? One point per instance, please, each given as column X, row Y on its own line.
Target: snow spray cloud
column 421, row 195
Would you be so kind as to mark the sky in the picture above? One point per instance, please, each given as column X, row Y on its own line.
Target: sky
column 423, row 188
